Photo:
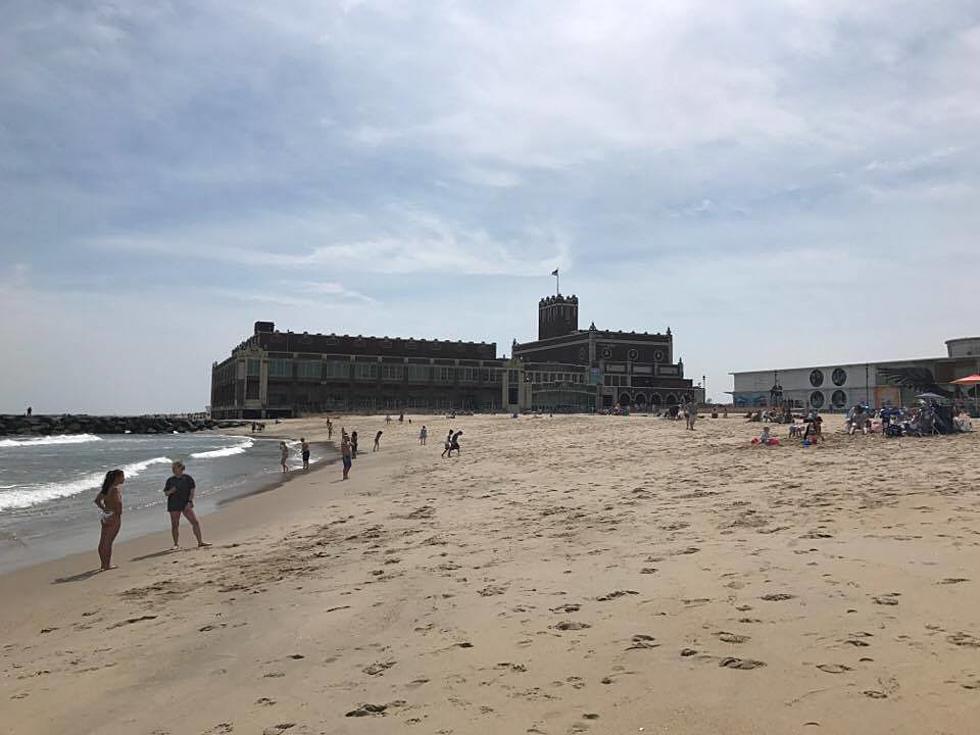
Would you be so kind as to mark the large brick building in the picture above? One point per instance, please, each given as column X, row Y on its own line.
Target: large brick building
column 286, row 373
column 276, row 373
column 625, row 368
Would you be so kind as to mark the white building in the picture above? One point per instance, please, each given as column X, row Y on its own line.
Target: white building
column 838, row 386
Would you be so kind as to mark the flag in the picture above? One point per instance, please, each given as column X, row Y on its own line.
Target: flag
column 554, row 272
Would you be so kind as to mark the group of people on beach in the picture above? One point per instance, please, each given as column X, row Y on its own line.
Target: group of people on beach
column 304, row 449
column 179, row 490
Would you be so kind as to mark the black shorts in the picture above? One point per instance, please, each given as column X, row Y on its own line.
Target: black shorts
column 177, row 503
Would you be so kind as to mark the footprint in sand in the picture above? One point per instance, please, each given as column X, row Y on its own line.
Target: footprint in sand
column 777, row 597
column 642, row 641
column 615, row 595
column 571, row 625
column 378, row 668
column 743, row 664
column 890, row 598
column 964, row 639
column 732, row 637
column 569, row 608
column 833, row 668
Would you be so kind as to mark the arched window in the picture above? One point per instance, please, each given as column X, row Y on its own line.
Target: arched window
column 816, row 399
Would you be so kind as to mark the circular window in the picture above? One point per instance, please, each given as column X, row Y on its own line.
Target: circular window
column 633, row 354
column 606, row 352
column 816, row 399
column 658, row 355
column 839, row 377
column 582, row 353
column 839, row 399
column 816, row 378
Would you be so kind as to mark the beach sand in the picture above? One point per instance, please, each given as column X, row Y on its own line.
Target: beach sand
column 564, row 575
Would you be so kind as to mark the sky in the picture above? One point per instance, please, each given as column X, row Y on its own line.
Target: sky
column 780, row 183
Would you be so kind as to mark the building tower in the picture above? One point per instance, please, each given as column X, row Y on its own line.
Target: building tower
column 557, row 316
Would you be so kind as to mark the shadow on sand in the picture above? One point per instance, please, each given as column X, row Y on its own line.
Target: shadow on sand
column 80, row 577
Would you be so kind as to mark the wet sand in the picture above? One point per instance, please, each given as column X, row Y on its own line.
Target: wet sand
column 574, row 574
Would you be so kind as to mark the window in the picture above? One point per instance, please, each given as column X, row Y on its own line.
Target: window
column 309, row 369
column 839, row 399
column 337, row 370
column 839, row 376
column 634, row 354
column 253, row 368
column 445, row 374
column 816, row 378
column 365, row 370
column 392, row 372
column 816, row 399
column 419, row 373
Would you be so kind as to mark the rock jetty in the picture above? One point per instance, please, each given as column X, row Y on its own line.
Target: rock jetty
column 14, row 425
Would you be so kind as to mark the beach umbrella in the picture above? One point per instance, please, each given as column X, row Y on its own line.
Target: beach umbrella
column 971, row 380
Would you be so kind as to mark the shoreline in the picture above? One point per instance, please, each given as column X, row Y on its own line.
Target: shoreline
column 139, row 517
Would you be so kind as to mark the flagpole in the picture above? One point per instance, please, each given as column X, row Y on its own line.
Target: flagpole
column 557, row 283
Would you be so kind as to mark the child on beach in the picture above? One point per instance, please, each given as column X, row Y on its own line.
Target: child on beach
column 305, row 448
column 377, row 442
column 283, row 456
column 423, row 435
column 109, row 501
column 345, row 454
column 179, row 490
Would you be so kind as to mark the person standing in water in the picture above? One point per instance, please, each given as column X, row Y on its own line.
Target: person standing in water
column 179, row 490
column 423, row 435
column 345, row 454
column 109, row 501
column 283, row 456
column 305, row 448
column 377, row 442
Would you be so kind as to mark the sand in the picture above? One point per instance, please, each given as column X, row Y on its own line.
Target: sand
column 573, row 574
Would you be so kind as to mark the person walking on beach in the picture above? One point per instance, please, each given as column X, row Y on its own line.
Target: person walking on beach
column 690, row 413
column 388, row 419
column 423, row 435
column 345, row 454
column 454, row 443
column 377, row 442
column 179, row 490
column 109, row 501
column 305, row 448
column 447, row 444
column 283, row 456
column 329, row 429
column 353, row 445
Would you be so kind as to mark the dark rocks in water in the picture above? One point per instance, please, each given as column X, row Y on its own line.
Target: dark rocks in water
column 15, row 425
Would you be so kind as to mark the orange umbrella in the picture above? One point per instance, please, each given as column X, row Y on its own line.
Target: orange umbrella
column 971, row 380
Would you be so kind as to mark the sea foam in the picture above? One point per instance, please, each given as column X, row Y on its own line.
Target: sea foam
column 224, row 451
column 44, row 441
column 26, row 496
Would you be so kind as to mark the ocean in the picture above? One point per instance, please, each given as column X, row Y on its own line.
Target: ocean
column 47, row 484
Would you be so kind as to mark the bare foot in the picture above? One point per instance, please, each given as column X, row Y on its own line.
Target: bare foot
column 203, row 544
column 175, row 547
column 109, row 568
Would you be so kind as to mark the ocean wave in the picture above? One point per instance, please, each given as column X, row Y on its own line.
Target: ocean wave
column 44, row 441
column 224, row 451
column 26, row 496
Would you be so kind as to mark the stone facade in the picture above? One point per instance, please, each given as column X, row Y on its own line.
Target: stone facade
column 625, row 368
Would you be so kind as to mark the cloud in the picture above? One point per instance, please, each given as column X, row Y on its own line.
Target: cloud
column 714, row 163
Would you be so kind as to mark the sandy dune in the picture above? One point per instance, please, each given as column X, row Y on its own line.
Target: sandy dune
column 574, row 574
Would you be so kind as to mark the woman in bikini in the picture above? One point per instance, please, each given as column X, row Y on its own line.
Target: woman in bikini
column 109, row 501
